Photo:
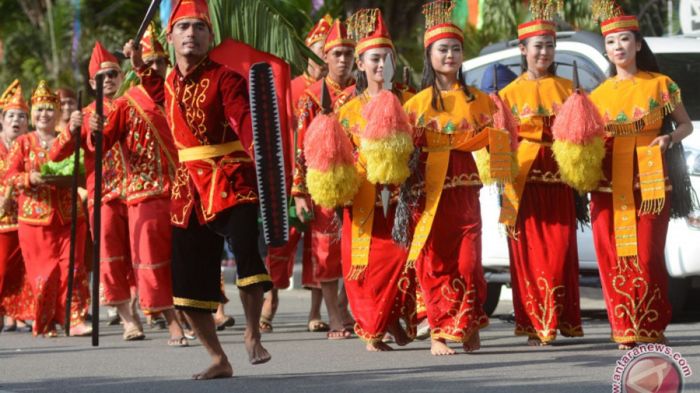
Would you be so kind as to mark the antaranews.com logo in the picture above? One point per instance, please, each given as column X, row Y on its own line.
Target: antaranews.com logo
column 650, row 368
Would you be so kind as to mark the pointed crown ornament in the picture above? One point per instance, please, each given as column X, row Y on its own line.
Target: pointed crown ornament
column 543, row 14
column 612, row 17
column 43, row 95
column 368, row 29
column 16, row 101
column 438, row 22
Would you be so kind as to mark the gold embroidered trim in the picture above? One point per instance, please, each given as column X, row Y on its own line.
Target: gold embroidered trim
column 258, row 278
column 203, row 304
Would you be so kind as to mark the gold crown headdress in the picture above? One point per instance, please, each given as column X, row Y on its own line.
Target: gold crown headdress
column 612, row 17
column 438, row 22
column 44, row 95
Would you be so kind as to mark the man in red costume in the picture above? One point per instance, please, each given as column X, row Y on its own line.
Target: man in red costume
column 140, row 125
column 214, row 196
column 280, row 260
column 338, row 51
column 116, row 275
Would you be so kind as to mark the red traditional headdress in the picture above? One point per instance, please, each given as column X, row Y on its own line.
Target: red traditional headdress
column 101, row 59
column 197, row 9
column 16, row 101
column 151, row 47
column 338, row 36
column 613, row 18
column 320, row 30
column 438, row 22
column 542, row 23
column 368, row 29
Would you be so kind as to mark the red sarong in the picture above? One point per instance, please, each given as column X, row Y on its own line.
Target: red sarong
column 45, row 250
column 386, row 291
column 636, row 291
column 544, row 263
column 325, row 245
column 16, row 296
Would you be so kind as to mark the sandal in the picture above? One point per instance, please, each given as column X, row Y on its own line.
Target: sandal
column 133, row 334
column 317, row 325
column 227, row 322
column 342, row 334
column 265, row 324
column 178, row 342
column 189, row 334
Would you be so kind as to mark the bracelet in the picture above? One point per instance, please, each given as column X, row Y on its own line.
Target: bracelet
column 670, row 140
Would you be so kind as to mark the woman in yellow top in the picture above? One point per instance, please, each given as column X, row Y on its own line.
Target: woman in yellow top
column 449, row 121
column 630, row 212
column 380, row 288
column 539, row 209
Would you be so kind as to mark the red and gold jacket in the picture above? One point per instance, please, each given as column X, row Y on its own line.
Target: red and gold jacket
column 308, row 106
column 298, row 86
column 113, row 161
column 209, row 116
column 44, row 204
column 8, row 214
column 140, row 125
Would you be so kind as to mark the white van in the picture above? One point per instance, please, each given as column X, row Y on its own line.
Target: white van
column 679, row 57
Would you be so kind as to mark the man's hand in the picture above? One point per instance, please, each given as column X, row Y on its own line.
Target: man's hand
column 35, row 178
column 96, row 123
column 303, row 207
column 134, row 54
column 76, row 122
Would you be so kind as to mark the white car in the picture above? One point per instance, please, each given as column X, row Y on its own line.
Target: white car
column 679, row 57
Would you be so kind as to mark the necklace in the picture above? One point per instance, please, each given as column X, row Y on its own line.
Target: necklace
column 45, row 143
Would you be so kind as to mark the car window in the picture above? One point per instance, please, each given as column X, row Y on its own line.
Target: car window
column 684, row 69
column 589, row 74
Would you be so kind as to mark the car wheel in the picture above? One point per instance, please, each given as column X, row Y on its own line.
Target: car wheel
column 493, row 293
column 677, row 295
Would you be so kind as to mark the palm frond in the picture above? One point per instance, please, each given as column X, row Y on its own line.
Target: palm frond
column 261, row 25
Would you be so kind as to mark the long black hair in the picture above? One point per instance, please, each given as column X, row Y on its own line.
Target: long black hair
column 429, row 79
column 645, row 59
column 552, row 70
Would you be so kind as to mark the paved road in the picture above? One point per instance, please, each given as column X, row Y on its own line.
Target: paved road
column 306, row 362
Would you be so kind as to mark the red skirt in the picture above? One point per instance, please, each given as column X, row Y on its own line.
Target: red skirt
column 45, row 250
column 636, row 292
column 116, row 271
column 325, row 245
column 386, row 292
column 544, row 264
column 16, row 296
column 449, row 267
column 280, row 261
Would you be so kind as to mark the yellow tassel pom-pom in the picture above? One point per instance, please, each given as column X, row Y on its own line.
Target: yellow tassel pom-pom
column 333, row 188
column 387, row 158
column 580, row 166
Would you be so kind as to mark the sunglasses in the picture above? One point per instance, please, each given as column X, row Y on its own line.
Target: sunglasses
column 112, row 74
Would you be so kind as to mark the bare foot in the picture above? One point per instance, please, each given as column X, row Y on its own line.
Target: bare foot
column 626, row 346
column 257, row 354
column 220, row 369
column 536, row 342
column 439, row 348
column 399, row 334
column 378, row 346
column 473, row 344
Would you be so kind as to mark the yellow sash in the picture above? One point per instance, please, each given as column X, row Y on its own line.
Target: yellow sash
column 435, row 173
column 208, row 151
column 531, row 130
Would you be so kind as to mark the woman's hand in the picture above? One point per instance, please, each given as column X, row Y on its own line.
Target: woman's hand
column 303, row 207
column 664, row 142
column 35, row 179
